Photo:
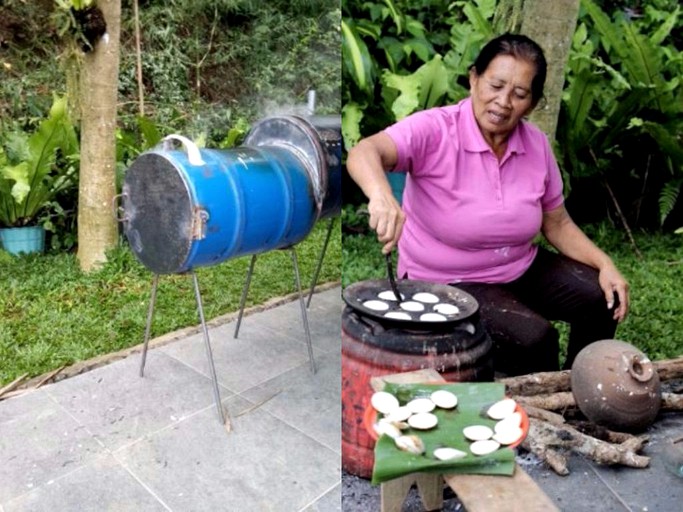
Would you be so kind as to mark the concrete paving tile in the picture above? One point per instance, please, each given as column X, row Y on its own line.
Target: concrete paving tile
column 39, row 441
column 262, row 465
column 256, row 356
column 100, row 485
column 324, row 321
column 580, row 491
column 327, row 299
column 329, row 502
column 309, row 402
column 119, row 407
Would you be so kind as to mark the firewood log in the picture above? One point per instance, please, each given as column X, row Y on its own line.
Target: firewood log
column 542, row 414
column 670, row 368
column 672, row 402
column 549, row 402
column 538, row 383
column 544, row 437
column 553, row 382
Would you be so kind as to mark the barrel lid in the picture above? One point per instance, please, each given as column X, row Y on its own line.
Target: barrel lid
column 158, row 208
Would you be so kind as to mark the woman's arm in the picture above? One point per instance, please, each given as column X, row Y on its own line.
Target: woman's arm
column 367, row 163
column 561, row 231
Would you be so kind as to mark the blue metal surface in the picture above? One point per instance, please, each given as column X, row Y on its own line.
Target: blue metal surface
column 256, row 200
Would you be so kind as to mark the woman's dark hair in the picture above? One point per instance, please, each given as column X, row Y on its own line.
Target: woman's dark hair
column 520, row 47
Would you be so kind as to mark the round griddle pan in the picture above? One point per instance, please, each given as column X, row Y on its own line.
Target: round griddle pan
column 358, row 293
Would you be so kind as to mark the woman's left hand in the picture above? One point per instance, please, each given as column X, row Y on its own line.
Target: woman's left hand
column 567, row 237
column 616, row 291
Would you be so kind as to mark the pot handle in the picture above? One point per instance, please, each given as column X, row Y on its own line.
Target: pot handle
column 641, row 369
column 194, row 155
column 117, row 209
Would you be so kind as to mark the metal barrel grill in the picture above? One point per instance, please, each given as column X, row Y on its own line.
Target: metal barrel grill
column 189, row 207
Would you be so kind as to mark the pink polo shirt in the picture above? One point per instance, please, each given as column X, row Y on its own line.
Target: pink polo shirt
column 468, row 216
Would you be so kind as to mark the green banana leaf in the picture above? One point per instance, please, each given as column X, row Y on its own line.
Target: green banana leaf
column 473, row 400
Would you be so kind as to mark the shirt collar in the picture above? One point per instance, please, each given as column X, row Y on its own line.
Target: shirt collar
column 473, row 140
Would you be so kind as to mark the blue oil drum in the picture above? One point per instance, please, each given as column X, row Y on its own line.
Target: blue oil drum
column 196, row 207
column 318, row 141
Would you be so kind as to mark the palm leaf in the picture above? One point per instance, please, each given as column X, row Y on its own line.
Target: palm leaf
column 356, row 57
column 579, row 100
column 478, row 19
column 665, row 29
column 667, row 140
column 609, row 34
column 396, row 15
column 668, row 198
column 642, row 60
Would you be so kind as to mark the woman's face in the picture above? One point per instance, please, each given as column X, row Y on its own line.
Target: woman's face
column 501, row 96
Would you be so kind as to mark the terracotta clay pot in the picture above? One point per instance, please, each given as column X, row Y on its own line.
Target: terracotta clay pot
column 616, row 385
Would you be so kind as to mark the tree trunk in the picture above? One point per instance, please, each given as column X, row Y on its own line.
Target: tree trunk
column 97, row 228
column 551, row 25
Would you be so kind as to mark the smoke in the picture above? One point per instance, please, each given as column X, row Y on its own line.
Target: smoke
column 270, row 108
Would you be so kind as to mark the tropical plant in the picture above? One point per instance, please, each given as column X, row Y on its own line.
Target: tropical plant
column 400, row 57
column 35, row 167
column 621, row 124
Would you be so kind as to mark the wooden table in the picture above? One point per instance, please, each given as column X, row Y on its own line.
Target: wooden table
column 477, row 493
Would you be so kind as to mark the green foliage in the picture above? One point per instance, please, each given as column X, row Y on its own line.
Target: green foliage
column 236, row 134
column 621, row 120
column 131, row 141
column 355, row 218
column 356, row 59
column 35, row 168
column 207, row 66
column 210, row 68
column 423, row 89
column 400, row 57
column 362, row 259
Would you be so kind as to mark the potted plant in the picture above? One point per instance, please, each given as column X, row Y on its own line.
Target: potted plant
column 33, row 169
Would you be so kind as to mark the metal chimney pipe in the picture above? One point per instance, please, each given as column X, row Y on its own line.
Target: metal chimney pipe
column 310, row 105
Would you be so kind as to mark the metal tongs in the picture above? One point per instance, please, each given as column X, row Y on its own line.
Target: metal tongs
column 392, row 279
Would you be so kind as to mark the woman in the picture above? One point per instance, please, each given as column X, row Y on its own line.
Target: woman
column 482, row 183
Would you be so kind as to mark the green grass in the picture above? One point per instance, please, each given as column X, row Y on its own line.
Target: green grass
column 52, row 314
column 655, row 322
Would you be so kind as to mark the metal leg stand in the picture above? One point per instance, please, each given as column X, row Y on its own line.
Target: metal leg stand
column 209, row 355
column 304, row 316
column 245, row 290
column 320, row 261
column 148, row 327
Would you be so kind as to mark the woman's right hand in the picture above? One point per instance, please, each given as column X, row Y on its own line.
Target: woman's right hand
column 387, row 219
column 366, row 164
